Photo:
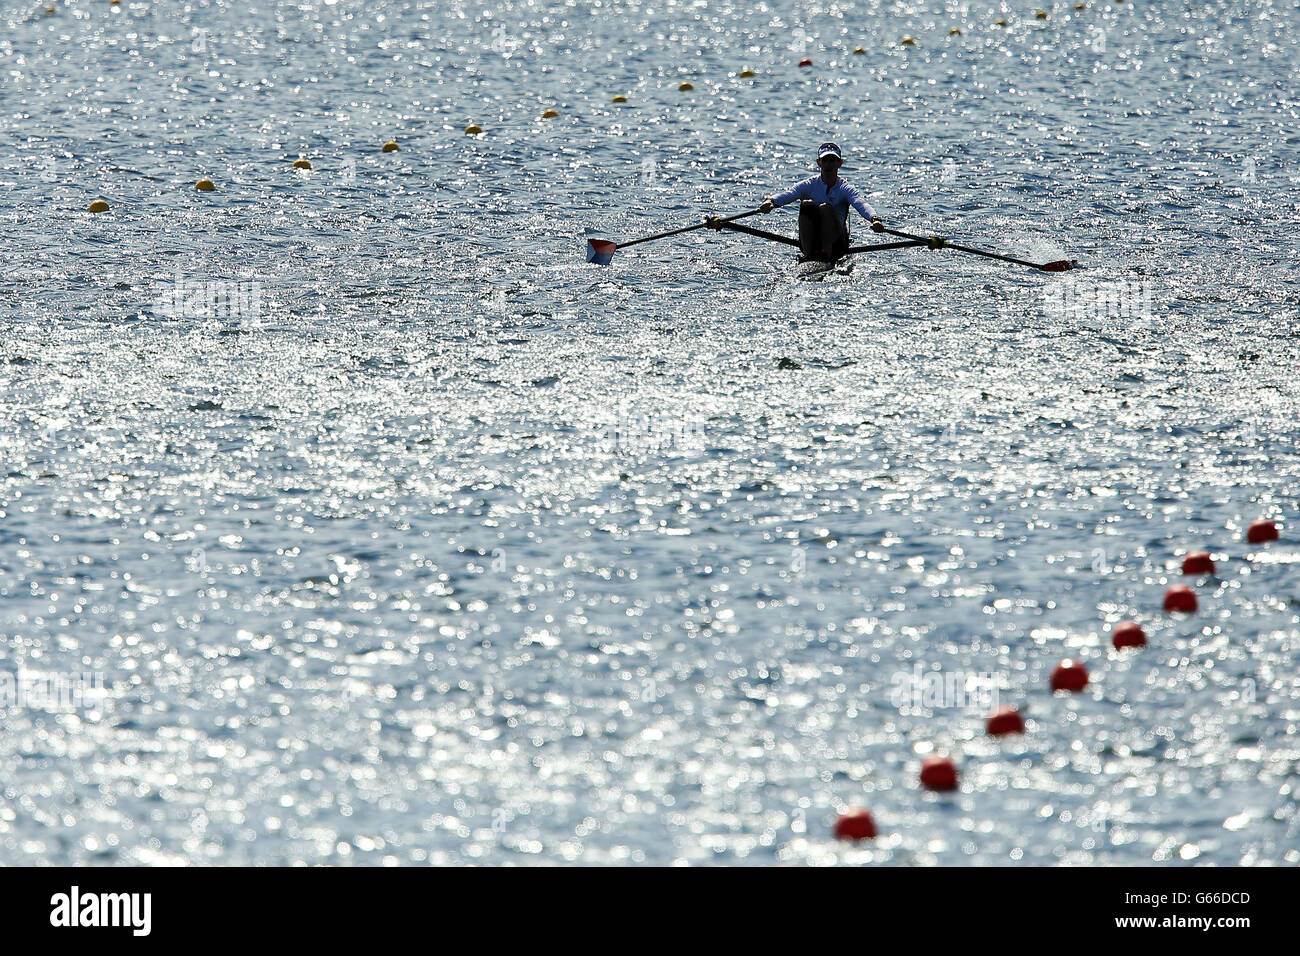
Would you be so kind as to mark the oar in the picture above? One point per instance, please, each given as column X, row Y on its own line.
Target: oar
column 749, row 230
column 777, row 237
column 601, row 251
column 934, row 242
column 882, row 246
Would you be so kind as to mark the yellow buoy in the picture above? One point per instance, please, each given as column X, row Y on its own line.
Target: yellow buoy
column 1001, row 23
column 620, row 98
column 908, row 41
column 683, row 87
column 550, row 114
column 301, row 164
column 99, row 206
column 746, row 73
column 473, row 129
column 859, row 50
column 390, row 146
column 1041, row 14
column 49, row 9
column 1080, row 6
column 204, row 185
column 955, row 32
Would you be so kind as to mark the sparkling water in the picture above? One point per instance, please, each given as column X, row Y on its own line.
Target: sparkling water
column 350, row 516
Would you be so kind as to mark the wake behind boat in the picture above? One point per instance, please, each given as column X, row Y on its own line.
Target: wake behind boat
column 814, row 270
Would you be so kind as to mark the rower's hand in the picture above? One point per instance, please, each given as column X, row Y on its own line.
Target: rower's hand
column 766, row 207
column 877, row 226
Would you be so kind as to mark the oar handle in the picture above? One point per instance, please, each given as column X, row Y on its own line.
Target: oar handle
column 698, row 225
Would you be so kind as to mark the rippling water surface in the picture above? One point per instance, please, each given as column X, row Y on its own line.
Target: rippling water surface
column 371, row 524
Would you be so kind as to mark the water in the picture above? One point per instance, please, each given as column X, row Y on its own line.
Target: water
column 362, row 521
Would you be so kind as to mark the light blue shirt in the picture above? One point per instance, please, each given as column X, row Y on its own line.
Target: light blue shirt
column 840, row 196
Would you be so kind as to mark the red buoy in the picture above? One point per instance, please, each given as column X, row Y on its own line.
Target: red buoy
column 938, row 773
column 1128, row 634
column 855, row 824
column 1005, row 720
column 1180, row 598
column 1198, row 562
column 805, row 62
column 1069, row 675
column 1261, row 531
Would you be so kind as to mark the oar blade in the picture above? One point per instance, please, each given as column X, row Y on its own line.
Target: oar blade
column 1061, row 265
column 601, row 251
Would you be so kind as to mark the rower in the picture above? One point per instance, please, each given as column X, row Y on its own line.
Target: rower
column 824, row 208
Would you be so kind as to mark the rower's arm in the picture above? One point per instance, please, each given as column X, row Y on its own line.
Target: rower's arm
column 862, row 206
column 789, row 196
